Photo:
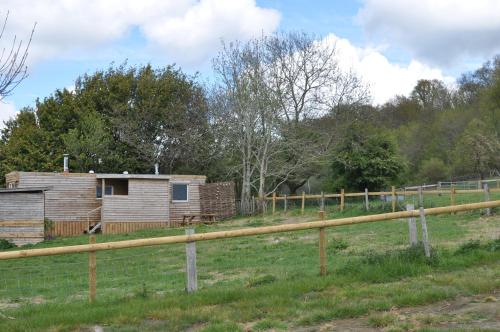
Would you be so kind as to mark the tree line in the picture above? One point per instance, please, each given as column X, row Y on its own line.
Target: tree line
column 280, row 114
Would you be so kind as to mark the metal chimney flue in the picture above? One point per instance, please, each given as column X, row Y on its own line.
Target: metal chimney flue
column 157, row 169
column 66, row 163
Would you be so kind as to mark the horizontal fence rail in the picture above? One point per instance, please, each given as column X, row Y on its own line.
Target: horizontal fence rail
column 381, row 193
column 242, row 232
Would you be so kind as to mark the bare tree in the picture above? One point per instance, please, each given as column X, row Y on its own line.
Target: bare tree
column 308, row 83
column 275, row 88
column 13, row 67
column 248, row 113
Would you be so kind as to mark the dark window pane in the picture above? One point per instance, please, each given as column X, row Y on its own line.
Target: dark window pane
column 98, row 192
column 179, row 192
column 109, row 190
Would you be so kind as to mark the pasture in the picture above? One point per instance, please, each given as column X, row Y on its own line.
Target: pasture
column 270, row 282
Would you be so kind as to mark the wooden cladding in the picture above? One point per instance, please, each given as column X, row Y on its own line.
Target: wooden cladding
column 71, row 195
column 127, row 227
column 21, row 217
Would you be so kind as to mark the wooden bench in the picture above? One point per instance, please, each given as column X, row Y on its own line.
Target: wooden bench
column 206, row 218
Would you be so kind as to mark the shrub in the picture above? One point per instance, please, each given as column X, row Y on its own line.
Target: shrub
column 4, row 244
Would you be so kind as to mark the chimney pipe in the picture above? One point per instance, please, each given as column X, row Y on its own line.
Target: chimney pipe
column 157, row 169
column 66, row 163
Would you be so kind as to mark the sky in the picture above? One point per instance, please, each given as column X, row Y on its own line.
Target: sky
column 390, row 43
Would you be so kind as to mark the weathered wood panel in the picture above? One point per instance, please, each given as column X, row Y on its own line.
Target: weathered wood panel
column 192, row 206
column 67, row 228
column 127, row 227
column 147, row 201
column 21, row 217
column 71, row 197
column 218, row 198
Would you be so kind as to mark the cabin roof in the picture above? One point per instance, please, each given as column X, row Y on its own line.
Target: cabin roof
column 117, row 175
column 24, row 190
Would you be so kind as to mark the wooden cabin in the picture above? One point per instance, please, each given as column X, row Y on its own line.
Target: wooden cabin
column 75, row 203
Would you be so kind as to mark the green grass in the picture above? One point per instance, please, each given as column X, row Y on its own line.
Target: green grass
column 259, row 283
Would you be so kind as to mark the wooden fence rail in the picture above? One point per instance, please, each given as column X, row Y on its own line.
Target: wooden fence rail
column 241, row 232
column 190, row 239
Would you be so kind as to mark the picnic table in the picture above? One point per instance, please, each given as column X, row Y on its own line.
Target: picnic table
column 206, row 218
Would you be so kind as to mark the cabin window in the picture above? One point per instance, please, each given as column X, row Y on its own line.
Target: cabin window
column 179, row 192
column 114, row 187
column 98, row 191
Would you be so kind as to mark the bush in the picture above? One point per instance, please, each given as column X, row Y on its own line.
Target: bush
column 4, row 244
column 467, row 247
column 433, row 170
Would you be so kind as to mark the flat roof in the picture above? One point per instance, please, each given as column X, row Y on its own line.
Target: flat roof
column 23, row 190
column 150, row 176
column 133, row 176
column 120, row 175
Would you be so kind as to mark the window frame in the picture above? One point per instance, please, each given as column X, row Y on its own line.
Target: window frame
column 187, row 192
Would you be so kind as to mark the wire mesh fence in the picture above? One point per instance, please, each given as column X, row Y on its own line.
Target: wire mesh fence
column 235, row 262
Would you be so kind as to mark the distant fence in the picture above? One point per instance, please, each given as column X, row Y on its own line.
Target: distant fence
column 392, row 196
column 190, row 239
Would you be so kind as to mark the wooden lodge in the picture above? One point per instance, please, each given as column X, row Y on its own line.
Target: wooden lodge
column 77, row 203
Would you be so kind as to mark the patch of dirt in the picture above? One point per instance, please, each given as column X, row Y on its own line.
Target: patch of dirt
column 468, row 313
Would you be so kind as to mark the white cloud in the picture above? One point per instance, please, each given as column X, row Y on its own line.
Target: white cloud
column 7, row 111
column 188, row 30
column 441, row 32
column 385, row 79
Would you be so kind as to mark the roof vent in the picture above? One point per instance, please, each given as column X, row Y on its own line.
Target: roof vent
column 125, row 172
column 91, row 172
column 157, row 169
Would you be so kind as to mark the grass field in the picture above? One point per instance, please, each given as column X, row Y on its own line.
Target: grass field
column 270, row 282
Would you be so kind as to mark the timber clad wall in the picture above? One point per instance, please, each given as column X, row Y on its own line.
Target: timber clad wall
column 219, row 199
column 193, row 206
column 21, row 217
column 70, row 197
column 147, row 201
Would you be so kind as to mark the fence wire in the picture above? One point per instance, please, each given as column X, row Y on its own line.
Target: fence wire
column 236, row 262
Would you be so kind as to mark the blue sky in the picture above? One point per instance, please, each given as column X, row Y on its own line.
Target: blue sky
column 390, row 43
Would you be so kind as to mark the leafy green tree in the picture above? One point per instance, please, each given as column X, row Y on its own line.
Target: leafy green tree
column 478, row 150
column 91, row 145
column 24, row 145
column 433, row 170
column 366, row 158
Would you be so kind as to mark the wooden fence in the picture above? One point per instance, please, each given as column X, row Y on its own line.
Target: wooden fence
column 190, row 239
column 393, row 194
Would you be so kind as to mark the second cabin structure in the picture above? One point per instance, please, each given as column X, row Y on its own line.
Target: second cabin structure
column 75, row 203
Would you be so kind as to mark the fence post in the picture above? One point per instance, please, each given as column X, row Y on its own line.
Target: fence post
column 342, row 199
column 191, row 275
column 452, row 196
column 303, row 202
column 412, row 226
column 487, row 198
column 366, row 200
column 285, row 208
column 322, row 204
column 274, row 203
column 322, row 246
column 425, row 237
column 439, row 185
column 92, row 271
column 420, row 196
column 393, row 193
